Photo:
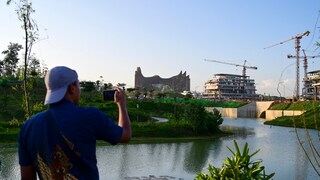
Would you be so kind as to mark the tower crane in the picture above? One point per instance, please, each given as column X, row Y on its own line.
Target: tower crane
column 305, row 65
column 297, row 47
column 305, row 60
column 237, row 65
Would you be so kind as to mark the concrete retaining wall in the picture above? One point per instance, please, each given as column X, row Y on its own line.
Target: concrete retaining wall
column 254, row 110
column 248, row 111
column 251, row 110
column 262, row 106
column 272, row 114
column 225, row 112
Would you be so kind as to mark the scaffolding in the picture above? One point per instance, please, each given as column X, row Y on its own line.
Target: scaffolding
column 230, row 87
column 312, row 85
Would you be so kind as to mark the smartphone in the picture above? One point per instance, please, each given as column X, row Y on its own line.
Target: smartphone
column 108, row 95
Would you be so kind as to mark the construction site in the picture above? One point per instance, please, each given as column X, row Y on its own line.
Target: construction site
column 231, row 86
column 226, row 86
column 241, row 87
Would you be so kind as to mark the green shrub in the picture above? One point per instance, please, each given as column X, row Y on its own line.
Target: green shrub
column 163, row 130
column 200, row 120
column 213, row 120
column 240, row 166
column 11, row 124
column 138, row 116
column 38, row 107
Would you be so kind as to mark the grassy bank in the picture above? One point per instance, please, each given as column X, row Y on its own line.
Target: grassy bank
column 9, row 132
column 310, row 119
column 142, row 133
column 300, row 105
column 187, row 118
column 10, row 136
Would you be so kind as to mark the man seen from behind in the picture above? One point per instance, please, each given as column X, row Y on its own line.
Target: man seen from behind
column 60, row 143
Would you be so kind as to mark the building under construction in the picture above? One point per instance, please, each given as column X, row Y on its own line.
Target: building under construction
column 230, row 87
column 311, row 88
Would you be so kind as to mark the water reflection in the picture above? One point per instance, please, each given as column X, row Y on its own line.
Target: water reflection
column 279, row 150
column 196, row 156
column 179, row 160
column 238, row 132
column 9, row 168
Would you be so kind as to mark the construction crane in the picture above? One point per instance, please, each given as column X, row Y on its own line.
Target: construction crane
column 237, row 65
column 297, row 47
column 305, row 65
column 305, row 60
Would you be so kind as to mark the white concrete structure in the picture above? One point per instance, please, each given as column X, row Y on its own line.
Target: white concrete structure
column 272, row 114
column 251, row 110
column 311, row 88
column 255, row 110
column 230, row 86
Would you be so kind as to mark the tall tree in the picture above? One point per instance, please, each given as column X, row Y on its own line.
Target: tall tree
column 107, row 86
column 8, row 65
column 123, row 85
column 35, row 68
column 87, row 86
column 1, row 68
column 24, row 11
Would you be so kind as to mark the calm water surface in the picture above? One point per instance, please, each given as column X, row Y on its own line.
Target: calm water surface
column 280, row 152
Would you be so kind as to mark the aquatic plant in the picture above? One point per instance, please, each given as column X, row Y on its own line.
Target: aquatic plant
column 240, row 166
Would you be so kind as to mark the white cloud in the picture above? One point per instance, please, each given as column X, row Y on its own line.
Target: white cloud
column 272, row 87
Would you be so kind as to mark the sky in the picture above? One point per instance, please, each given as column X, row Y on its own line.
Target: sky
column 111, row 38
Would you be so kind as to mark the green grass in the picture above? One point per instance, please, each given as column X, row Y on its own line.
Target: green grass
column 164, row 130
column 310, row 120
column 141, row 132
column 158, row 140
column 8, row 135
column 179, row 126
column 223, row 104
column 301, row 105
column 280, row 106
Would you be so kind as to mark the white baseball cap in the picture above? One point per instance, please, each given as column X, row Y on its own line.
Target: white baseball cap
column 57, row 81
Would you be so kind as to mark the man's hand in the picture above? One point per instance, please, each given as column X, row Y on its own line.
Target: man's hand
column 120, row 96
column 124, row 120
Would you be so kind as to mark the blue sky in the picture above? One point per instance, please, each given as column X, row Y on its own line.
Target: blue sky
column 163, row 37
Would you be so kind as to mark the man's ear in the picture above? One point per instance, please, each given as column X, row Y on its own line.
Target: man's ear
column 71, row 88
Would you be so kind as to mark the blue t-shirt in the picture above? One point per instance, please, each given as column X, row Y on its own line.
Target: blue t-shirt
column 40, row 144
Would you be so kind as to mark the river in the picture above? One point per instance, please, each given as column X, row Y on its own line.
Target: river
column 279, row 150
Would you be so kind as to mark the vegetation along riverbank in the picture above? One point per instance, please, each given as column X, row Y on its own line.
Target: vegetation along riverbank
column 310, row 119
column 187, row 117
column 185, row 121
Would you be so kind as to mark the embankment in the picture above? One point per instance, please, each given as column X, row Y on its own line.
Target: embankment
column 255, row 110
